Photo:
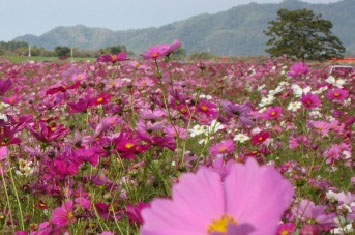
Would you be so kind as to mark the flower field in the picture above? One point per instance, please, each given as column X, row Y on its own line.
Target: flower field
column 162, row 147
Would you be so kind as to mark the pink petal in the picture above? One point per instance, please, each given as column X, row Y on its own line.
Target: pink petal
column 257, row 196
column 197, row 199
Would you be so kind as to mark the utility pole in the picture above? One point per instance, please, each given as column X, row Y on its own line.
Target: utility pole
column 29, row 51
column 71, row 54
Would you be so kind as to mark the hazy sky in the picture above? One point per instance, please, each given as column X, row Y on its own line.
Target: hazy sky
column 18, row 17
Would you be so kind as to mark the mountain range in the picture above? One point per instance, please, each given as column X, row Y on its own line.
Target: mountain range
column 234, row 32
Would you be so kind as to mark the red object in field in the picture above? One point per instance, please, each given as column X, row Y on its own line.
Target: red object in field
column 344, row 60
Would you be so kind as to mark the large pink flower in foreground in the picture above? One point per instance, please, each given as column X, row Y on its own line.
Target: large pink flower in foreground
column 250, row 202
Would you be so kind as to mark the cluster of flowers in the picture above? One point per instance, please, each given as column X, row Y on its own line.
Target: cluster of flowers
column 258, row 148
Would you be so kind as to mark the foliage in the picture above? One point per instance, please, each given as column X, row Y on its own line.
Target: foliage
column 201, row 56
column 117, row 49
column 62, row 51
column 13, row 45
column 303, row 34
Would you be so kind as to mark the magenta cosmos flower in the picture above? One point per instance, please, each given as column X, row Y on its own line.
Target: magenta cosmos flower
column 297, row 70
column 250, row 201
column 337, row 94
column 310, row 101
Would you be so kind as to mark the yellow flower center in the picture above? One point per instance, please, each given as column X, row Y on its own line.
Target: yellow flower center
column 204, row 108
column 336, row 94
column 220, row 225
column 286, row 232
column 273, row 113
column 128, row 145
column 70, row 215
column 100, row 99
column 155, row 55
column 183, row 110
column 114, row 57
column 261, row 139
column 53, row 128
column 222, row 149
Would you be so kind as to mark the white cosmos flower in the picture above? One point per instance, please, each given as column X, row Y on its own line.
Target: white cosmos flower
column 338, row 83
column 294, row 106
column 240, row 138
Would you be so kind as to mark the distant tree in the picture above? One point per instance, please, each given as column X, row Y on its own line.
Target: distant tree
column 117, row 49
column 303, row 34
column 13, row 45
column 62, row 52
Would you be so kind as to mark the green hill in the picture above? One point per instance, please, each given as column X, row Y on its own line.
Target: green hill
column 235, row 32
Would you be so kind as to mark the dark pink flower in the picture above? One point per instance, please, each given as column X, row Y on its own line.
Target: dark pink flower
column 100, row 99
column 4, row 86
column 260, row 138
column 310, row 101
column 285, row 229
column 81, row 106
column 133, row 212
column 47, row 133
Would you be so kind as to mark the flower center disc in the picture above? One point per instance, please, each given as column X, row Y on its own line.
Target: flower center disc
column 220, row 225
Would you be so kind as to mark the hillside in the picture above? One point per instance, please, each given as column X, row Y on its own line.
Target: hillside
column 235, row 32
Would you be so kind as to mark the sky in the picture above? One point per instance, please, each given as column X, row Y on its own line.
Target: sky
column 19, row 17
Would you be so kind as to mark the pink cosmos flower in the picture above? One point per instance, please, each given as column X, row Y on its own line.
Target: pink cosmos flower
column 309, row 210
column 272, row 113
column 223, row 147
column 321, row 127
column 201, row 204
column 298, row 70
column 207, row 108
column 310, row 101
column 83, row 202
column 176, row 132
column 337, row 94
column 12, row 100
column 310, row 229
column 156, row 52
column 63, row 215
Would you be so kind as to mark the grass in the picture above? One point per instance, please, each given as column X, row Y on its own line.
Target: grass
column 22, row 59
